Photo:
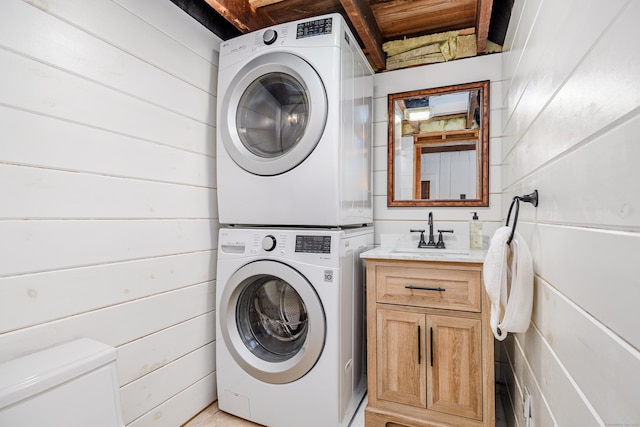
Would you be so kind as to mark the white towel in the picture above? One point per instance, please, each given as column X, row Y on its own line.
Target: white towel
column 509, row 287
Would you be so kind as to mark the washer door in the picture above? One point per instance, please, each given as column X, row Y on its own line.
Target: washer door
column 272, row 321
column 273, row 114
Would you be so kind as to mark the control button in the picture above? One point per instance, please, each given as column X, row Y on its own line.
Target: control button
column 269, row 36
column 268, row 243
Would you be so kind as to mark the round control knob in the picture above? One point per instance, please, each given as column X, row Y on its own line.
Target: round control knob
column 268, row 243
column 269, row 36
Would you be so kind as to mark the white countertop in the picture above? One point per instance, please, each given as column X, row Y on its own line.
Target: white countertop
column 415, row 254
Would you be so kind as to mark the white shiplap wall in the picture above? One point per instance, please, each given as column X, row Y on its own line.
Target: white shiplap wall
column 571, row 125
column 108, row 220
column 395, row 221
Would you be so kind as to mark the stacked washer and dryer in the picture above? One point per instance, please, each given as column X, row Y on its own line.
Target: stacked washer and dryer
column 295, row 204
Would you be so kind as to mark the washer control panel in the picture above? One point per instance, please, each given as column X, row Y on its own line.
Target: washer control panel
column 313, row 244
column 316, row 246
column 319, row 247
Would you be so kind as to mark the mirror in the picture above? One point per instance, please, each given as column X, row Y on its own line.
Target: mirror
column 438, row 150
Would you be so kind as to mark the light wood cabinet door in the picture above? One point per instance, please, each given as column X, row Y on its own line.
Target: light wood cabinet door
column 454, row 375
column 401, row 361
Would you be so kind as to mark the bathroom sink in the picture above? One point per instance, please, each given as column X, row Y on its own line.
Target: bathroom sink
column 430, row 251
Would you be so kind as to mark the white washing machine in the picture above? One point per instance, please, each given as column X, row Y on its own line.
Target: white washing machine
column 290, row 328
column 294, row 126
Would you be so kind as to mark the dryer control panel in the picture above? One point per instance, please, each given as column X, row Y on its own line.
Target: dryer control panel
column 314, row 28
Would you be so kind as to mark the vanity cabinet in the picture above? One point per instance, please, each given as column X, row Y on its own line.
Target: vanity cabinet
column 430, row 347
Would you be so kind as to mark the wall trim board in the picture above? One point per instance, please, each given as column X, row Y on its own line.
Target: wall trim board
column 32, row 299
column 114, row 325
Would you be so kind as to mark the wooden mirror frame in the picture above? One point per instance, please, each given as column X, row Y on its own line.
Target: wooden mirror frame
column 482, row 145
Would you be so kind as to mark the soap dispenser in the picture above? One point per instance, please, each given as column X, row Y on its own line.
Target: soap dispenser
column 475, row 232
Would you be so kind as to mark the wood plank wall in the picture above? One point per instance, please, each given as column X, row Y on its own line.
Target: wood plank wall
column 108, row 215
column 571, row 121
column 398, row 221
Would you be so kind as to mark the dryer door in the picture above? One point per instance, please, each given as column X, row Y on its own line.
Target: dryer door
column 273, row 114
column 272, row 321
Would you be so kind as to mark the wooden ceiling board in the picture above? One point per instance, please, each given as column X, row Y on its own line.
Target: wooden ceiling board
column 292, row 10
column 374, row 21
column 405, row 19
column 241, row 14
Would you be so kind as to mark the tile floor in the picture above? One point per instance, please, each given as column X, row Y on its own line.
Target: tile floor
column 213, row 417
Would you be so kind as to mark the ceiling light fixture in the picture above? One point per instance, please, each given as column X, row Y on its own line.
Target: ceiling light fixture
column 417, row 114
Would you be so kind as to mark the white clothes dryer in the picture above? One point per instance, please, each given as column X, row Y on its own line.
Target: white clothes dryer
column 291, row 339
column 294, row 126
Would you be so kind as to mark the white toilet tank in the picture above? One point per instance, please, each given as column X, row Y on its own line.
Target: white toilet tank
column 71, row 385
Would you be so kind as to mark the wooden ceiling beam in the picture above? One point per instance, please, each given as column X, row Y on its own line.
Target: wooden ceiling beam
column 262, row 3
column 364, row 22
column 483, row 18
column 241, row 14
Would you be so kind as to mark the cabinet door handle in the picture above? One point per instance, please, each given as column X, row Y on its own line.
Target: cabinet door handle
column 419, row 347
column 431, row 345
column 421, row 288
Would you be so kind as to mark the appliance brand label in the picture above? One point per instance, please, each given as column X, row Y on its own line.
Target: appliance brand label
column 328, row 275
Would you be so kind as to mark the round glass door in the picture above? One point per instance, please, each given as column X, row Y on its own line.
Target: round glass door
column 272, row 115
column 276, row 110
column 272, row 321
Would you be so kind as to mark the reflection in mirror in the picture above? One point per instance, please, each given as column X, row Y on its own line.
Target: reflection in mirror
column 439, row 146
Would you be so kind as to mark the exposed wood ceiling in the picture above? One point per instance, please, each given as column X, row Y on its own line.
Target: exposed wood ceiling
column 374, row 21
